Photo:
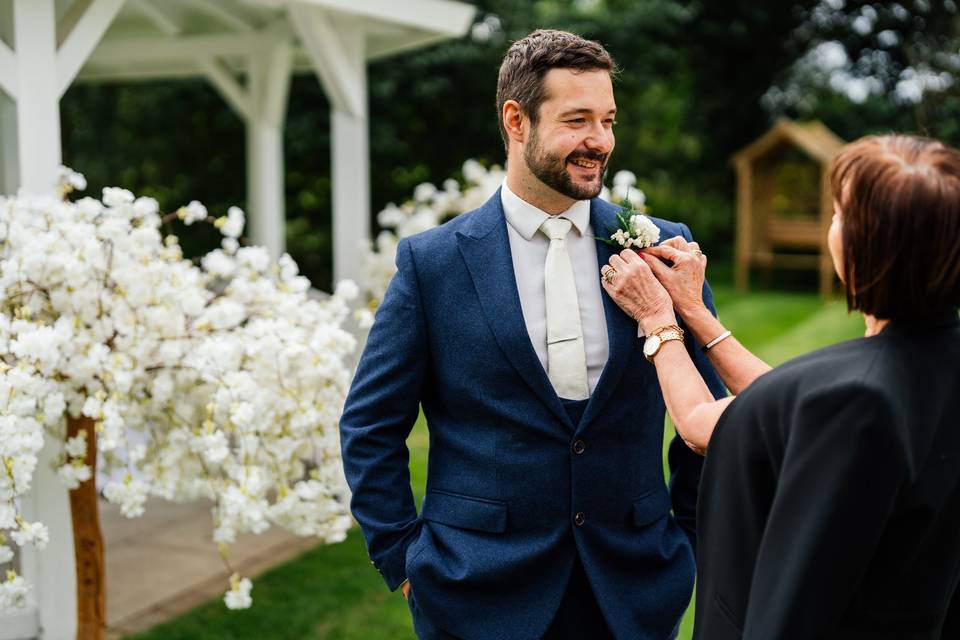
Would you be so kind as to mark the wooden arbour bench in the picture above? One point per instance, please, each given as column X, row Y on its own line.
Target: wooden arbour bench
column 784, row 201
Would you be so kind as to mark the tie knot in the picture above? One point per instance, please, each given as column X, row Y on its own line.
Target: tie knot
column 556, row 228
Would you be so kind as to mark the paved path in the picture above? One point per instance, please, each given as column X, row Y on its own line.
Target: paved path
column 164, row 563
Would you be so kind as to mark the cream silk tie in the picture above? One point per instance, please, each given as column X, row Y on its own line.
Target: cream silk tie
column 566, row 358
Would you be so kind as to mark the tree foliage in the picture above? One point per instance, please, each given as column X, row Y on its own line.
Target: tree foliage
column 699, row 80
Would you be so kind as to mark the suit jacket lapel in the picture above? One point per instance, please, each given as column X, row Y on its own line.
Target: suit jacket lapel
column 621, row 329
column 485, row 247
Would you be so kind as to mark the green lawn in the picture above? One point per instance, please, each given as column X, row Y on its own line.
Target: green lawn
column 333, row 593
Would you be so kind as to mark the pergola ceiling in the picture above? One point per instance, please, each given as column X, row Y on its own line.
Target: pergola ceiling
column 152, row 39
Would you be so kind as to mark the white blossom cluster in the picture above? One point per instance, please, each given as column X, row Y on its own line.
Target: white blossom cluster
column 431, row 206
column 642, row 233
column 221, row 379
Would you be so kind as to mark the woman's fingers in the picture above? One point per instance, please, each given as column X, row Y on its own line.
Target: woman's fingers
column 676, row 242
column 618, row 263
column 657, row 266
column 636, row 289
column 684, row 279
column 676, row 256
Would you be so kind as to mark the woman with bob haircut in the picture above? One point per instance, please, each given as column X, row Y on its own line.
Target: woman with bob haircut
column 830, row 497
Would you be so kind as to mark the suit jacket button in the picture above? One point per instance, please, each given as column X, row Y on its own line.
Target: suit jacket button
column 579, row 446
column 579, row 519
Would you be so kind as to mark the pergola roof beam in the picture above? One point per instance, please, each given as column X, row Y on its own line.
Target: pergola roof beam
column 83, row 38
column 70, row 16
column 226, row 17
column 160, row 16
column 225, row 82
column 337, row 72
column 443, row 17
column 129, row 51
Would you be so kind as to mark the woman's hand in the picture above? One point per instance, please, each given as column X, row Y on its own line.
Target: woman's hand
column 633, row 286
column 684, row 280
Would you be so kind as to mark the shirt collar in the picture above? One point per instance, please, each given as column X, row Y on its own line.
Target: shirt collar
column 526, row 218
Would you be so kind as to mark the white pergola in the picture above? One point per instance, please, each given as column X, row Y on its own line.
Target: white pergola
column 248, row 50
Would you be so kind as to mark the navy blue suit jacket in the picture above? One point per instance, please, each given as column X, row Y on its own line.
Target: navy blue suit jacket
column 490, row 553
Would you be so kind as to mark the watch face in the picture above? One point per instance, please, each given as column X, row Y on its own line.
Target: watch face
column 651, row 346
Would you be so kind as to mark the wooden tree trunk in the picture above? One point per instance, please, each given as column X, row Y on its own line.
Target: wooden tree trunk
column 88, row 543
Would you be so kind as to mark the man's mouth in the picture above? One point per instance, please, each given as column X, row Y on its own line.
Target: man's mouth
column 586, row 165
column 589, row 165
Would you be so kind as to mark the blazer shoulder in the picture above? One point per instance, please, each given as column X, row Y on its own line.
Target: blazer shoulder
column 443, row 234
column 846, row 364
column 438, row 247
column 832, row 391
column 670, row 229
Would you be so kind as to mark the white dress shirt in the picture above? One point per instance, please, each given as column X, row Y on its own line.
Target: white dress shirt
column 528, row 248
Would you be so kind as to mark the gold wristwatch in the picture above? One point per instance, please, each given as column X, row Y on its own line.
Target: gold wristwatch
column 656, row 338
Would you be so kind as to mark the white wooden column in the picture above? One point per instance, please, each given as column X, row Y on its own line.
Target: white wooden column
column 14, row 625
column 50, row 571
column 262, row 104
column 24, row 623
column 38, row 101
column 350, row 142
column 337, row 51
column 268, row 86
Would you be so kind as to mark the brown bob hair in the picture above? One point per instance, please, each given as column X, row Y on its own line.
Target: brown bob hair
column 900, row 201
column 528, row 60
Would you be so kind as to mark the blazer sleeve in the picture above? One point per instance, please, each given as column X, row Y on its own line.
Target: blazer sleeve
column 684, row 464
column 380, row 411
column 842, row 468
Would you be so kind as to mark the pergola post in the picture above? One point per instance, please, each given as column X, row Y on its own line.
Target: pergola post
column 262, row 104
column 51, row 571
column 35, row 71
column 338, row 55
column 16, row 624
column 268, row 87
column 38, row 110
column 351, row 169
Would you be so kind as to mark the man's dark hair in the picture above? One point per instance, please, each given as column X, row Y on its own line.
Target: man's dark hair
column 899, row 198
column 527, row 61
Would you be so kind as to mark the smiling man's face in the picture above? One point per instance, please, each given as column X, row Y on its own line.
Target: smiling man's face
column 569, row 147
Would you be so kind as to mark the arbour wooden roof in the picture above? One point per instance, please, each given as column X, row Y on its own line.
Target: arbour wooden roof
column 813, row 138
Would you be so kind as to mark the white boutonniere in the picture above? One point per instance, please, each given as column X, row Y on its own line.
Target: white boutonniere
column 634, row 230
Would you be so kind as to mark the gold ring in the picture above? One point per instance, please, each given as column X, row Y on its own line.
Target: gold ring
column 608, row 275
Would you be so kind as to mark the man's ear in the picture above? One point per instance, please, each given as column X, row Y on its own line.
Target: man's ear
column 514, row 121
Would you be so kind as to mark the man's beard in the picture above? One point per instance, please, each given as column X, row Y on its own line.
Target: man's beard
column 551, row 169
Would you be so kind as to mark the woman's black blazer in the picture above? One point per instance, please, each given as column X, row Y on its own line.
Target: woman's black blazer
column 830, row 498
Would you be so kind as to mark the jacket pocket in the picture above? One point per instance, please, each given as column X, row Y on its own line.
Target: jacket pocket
column 465, row 512
column 650, row 507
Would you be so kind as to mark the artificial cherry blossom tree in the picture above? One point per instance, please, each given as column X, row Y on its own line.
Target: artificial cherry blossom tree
column 219, row 379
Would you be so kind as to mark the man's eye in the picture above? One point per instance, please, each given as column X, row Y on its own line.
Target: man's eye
column 577, row 120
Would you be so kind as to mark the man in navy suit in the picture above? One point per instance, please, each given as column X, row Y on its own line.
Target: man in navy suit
column 546, row 513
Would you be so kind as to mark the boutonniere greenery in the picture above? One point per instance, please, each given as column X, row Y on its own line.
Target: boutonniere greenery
column 634, row 230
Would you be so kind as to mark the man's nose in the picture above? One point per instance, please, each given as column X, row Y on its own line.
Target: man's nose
column 599, row 139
